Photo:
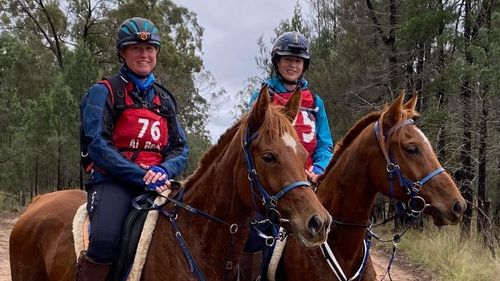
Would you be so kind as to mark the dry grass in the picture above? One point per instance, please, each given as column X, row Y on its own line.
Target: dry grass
column 449, row 258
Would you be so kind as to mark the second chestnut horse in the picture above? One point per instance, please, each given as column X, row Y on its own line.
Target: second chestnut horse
column 384, row 152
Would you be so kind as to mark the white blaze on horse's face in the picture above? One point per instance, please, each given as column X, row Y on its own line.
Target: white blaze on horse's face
column 424, row 137
column 290, row 141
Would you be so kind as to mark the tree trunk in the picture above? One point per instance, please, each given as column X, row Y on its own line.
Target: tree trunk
column 464, row 175
column 419, row 84
column 481, row 184
column 389, row 41
column 59, row 159
column 36, row 176
column 442, row 102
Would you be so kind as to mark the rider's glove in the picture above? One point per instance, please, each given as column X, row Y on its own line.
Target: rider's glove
column 158, row 183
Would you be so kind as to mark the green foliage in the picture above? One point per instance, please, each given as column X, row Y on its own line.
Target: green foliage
column 51, row 54
column 296, row 23
column 198, row 145
column 80, row 70
column 424, row 20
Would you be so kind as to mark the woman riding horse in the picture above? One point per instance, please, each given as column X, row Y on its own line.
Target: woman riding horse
column 257, row 165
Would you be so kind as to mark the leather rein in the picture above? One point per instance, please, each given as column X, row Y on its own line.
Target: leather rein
column 269, row 202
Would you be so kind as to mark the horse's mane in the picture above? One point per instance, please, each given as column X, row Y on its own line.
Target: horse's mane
column 351, row 135
column 275, row 124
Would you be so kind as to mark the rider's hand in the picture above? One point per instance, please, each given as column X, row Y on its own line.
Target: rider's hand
column 311, row 175
column 156, row 178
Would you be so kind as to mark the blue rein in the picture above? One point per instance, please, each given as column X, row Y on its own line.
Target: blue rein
column 270, row 202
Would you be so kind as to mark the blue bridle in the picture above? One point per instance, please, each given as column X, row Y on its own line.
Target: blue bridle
column 416, row 203
column 268, row 201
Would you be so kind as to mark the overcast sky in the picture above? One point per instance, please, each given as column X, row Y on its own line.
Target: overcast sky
column 231, row 30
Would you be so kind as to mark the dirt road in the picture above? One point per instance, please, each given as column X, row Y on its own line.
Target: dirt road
column 400, row 270
column 7, row 220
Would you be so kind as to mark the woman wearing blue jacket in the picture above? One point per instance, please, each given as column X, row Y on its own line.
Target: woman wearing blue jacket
column 132, row 141
column 291, row 57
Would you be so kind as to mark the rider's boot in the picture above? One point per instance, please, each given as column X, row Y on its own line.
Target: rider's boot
column 89, row 270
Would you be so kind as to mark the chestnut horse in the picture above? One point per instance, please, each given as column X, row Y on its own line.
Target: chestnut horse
column 381, row 153
column 41, row 242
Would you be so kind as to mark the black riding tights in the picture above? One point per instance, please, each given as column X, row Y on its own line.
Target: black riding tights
column 108, row 205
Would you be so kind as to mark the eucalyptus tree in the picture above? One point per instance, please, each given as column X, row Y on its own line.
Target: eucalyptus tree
column 296, row 22
column 59, row 48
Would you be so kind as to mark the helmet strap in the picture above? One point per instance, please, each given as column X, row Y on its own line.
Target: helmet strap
column 120, row 58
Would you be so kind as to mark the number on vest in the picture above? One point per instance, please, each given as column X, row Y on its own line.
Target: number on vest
column 154, row 131
column 308, row 137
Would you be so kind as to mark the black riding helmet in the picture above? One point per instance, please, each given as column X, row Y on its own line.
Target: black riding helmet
column 137, row 30
column 293, row 44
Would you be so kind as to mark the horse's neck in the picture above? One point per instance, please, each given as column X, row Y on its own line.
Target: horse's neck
column 349, row 196
column 347, row 191
column 213, row 190
column 216, row 193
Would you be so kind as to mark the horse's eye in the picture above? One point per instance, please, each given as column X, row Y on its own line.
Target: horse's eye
column 412, row 149
column 269, row 158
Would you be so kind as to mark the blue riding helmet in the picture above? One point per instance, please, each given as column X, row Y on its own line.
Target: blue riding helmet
column 137, row 30
column 291, row 43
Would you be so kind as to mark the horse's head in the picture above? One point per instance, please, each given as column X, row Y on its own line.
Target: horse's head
column 418, row 177
column 275, row 160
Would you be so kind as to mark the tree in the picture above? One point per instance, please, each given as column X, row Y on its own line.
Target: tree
column 60, row 50
column 263, row 59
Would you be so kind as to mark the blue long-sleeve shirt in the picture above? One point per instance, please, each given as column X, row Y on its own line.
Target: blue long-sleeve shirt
column 324, row 147
column 98, row 121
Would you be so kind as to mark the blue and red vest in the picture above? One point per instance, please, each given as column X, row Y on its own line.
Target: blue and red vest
column 140, row 128
column 140, row 132
column 305, row 122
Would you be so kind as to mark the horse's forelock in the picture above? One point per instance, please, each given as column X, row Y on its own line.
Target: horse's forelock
column 276, row 124
column 397, row 135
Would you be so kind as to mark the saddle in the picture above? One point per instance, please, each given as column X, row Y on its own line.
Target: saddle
column 137, row 233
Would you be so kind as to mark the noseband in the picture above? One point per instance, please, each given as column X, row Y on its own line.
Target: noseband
column 268, row 201
column 416, row 203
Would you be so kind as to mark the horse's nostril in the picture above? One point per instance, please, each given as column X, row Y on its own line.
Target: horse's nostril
column 458, row 208
column 315, row 224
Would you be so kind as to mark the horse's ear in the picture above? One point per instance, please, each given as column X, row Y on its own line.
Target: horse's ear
column 259, row 110
column 397, row 104
column 393, row 114
column 293, row 104
column 412, row 103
